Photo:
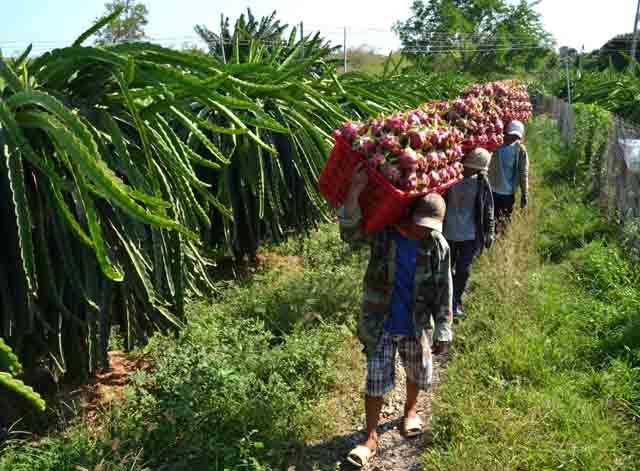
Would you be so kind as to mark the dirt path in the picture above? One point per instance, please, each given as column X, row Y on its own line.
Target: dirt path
column 395, row 453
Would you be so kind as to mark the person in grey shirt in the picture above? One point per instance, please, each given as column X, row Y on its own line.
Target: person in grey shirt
column 509, row 170
column 469, row 224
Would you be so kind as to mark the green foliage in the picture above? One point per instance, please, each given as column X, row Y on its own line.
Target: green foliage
column 134, row 163
column 232, row 391
column 548, row 377
column 10, row 368
column 616, row 92
column 128, row 22
column 265, row 33
column 615, row 53
column 475, row 36
column 631, row 238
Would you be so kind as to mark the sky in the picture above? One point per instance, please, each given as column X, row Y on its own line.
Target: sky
column 55, row 23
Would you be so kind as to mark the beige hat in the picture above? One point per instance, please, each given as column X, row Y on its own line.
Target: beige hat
column 429, row 211
column 478, row 159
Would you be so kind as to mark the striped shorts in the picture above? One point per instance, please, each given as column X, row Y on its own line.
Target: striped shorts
column 381, row 364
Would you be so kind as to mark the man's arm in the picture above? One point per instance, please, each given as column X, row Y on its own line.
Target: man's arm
column 349, row 215
column 524, row 177
column 489, row 216
column 443, row 332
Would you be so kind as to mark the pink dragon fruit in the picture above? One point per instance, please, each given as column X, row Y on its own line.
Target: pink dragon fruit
column 397, row 124
column 365, row 145
column 433, row 159
column 408, row 158
column 417, row 139
column 434, row 178
column 391, row 173
column 390, row 142
column 409, row 182
column 350, row 130
column 442, row 158
column 377, row 160
column 413, row 118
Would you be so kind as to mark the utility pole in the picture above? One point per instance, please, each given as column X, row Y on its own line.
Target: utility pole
column 344, row 49
column 634, row 42
column 566, row 63
column 224, row 59
column 302, row 38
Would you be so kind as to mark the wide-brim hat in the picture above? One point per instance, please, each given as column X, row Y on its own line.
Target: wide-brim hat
column 478, row 159
column 429, row 212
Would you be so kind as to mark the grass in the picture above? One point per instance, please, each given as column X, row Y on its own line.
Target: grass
column 546, row 373
column 252, row 378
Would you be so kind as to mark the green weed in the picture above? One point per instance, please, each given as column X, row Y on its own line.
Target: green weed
column 548, row 378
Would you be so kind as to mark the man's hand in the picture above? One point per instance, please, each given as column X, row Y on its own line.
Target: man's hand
column 524, row 202
column 440, row 348
column 359, row 179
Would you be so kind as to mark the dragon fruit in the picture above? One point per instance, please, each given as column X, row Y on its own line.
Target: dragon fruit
column 392, row 173
column 377, row 160
column 408, row 158
column 418, row 139
column 397, row 124
column 390, row 142
column 365, row 144
column 350, row 130
column 421, row 149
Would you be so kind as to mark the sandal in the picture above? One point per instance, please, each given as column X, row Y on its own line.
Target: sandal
column 360, row 456
column 413, row 426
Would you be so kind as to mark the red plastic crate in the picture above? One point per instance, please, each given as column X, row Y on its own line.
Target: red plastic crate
column 381, row 203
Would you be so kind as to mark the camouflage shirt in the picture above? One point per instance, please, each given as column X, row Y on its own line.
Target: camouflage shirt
column 432, row 293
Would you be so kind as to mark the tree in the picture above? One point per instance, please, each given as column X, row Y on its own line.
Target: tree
column 475, row 35
column 616, row 53
column 267, row 30
column 128, row 26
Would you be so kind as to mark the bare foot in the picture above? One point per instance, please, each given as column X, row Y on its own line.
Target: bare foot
column 372, row 442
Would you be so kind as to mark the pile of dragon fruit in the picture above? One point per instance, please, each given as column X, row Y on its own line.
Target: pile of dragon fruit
column 414, row 151
column 422, row 149
column 510, row 97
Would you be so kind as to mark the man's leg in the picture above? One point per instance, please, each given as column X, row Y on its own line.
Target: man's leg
column 463, row 271
column 418, row 366
column 373, row 407
column 453, row 245
column 411, row 406
column 503, row 205
column 380, row 380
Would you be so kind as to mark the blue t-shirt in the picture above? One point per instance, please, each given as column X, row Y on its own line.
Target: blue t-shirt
column 401, row 321
column 507, row 156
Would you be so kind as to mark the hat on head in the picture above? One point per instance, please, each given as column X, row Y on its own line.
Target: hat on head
column 515, row 128
column 478, row 159
column 429, row 212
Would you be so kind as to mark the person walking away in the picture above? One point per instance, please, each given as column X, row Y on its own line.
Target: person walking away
column 469, row 224
column 407, row 291
column 509, row 169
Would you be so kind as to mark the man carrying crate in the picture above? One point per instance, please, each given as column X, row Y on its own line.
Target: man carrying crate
column 407, row 288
